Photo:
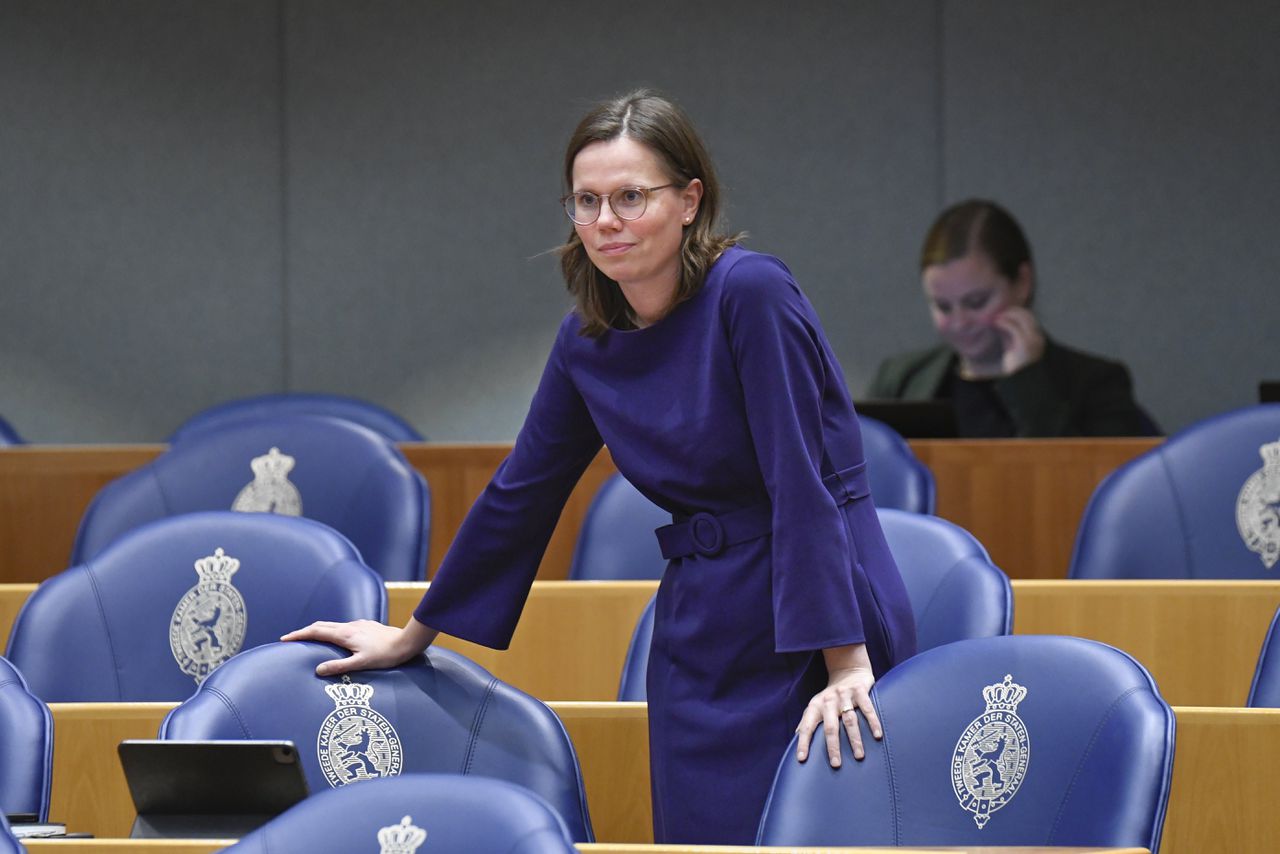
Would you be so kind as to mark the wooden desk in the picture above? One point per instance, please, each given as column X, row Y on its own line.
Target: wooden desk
column 1022, row 498
column 195, row 846
column 1199, row 639
column 1224, row 783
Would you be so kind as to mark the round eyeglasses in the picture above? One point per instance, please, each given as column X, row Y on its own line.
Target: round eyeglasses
column 627, row 203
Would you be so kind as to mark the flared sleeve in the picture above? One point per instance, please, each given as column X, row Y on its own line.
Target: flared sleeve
column 788, row 376
column 482, row 584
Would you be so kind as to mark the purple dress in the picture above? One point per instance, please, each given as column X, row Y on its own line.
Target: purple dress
column 732, row 407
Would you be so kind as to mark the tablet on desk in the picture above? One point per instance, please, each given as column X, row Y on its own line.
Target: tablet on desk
column 912, row 419
column 209, row 789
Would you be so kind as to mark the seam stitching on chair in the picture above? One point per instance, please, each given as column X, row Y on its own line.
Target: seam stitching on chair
column 892, row 781
column 106, row 626
column 165, row 507
column 1084, row 756
column 476, row 724
column 1177, row 508
column 231, row 707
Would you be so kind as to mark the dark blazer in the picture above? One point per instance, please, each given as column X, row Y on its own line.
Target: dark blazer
column 1065, row 393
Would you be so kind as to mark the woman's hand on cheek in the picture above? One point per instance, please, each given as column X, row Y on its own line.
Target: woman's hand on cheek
column 1022, row 338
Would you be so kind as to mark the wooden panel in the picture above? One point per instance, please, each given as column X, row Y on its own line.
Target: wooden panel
column 1023, row 498
column 612, row 742
column 571, row 640
column 1225, row 782
column 459, row 473
column 11, row 598
column 1199, row 639
column 89, row 791
column 44, row 490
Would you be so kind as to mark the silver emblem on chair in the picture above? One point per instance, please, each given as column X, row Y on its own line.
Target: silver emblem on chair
column 270, row 491
column 1258, row 507
column 355, row 741
column 402, row 838
column 991, row 757
column 209, row 622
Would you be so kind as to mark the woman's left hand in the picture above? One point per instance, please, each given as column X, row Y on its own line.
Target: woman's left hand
column 1022, row 338
column 836, row 707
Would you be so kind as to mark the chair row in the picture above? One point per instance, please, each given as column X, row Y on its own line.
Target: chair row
column 158, row 609
column 140, row 622
column 961, row 721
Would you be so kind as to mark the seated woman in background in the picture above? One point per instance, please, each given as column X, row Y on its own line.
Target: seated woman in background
column 1003, row 374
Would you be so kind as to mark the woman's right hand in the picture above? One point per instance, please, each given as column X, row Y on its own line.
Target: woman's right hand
column 373, row 645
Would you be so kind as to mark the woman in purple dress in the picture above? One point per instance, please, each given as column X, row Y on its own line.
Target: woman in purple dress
column 705, row 370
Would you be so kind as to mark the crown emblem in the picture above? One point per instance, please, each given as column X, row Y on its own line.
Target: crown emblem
column 272, row 465
column 1004, row 696
column 348, row 693
column 217, row 568
column 402, row 838
column 355, row 741
column 1258, row 507
column 1270, row 456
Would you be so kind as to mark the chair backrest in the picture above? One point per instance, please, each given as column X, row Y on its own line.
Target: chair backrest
column 382, row 421
column 956, row 592
column 9, row 436
column 1015, row 740
column 616, row 541
column 899, row 481
column 447, row 812
column 1203, row 505
column 323, row 468
column 154, row 612
column 26, row 747
column 1265, row 690
column 439, row 713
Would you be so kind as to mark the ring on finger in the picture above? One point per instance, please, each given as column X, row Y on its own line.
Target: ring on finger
column 846, row 711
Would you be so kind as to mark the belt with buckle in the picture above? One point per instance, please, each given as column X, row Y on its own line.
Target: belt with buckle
column 708, row 534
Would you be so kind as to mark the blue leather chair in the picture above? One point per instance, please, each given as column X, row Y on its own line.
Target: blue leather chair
column 899, row 481
column 1265, row 690
column 382, row 421
column 956, row 592
column 616, row 541
column 26, row 747
column 8, row 843
column 9, row 436
column 440, row 812
column 148, row 617
column 439, row 713
column 1202, row 505
column 1017, row 740
column 330, row 470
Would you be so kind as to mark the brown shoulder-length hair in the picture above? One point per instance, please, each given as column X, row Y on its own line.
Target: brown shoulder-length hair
column 658, row 122
column 978, row 225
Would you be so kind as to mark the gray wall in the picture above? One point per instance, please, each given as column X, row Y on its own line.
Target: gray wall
column 205, row 200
